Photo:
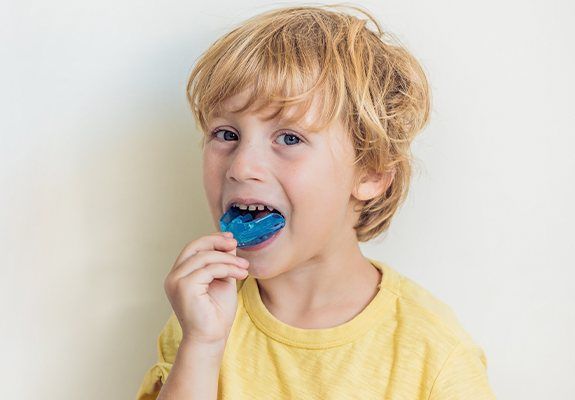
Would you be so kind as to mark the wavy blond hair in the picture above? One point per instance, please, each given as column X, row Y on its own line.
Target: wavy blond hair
column 375, row 86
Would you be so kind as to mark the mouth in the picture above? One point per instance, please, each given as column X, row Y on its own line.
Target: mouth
column 256, row 214
column 267, row 208
column 252, row 227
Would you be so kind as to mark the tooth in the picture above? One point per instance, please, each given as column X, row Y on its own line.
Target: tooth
column 253, row 207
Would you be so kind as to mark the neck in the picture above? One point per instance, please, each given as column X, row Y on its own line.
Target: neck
column 343, row 281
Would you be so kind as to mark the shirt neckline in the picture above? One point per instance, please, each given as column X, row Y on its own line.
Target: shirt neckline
column 373, row 314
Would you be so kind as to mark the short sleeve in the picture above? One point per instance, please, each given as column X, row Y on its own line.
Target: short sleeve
column 463, row 376
column 167, row 344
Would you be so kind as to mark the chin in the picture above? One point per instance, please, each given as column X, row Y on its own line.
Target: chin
column 264, row 270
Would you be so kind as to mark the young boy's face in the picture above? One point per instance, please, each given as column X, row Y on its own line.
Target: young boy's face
column 308, row 178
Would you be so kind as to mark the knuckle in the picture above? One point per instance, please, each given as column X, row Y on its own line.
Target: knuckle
column 179, row 285
column 190, row 245
column 168, row 284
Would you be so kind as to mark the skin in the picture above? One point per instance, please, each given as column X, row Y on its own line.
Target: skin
column 313, row 275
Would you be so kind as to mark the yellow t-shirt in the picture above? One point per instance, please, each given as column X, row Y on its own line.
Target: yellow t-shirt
column 406, row 344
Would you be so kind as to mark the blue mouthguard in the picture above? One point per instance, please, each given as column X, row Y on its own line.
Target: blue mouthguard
column 246, row 230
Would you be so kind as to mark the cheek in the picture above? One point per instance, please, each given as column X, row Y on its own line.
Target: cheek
column 213, row 163
column 327, row 193
column 210, row 178
column 314, row 192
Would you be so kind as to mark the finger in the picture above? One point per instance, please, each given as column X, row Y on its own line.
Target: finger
column 205, row 276
column 230, row 235
column 214, row 241
column 224, row 233
column 203, row 259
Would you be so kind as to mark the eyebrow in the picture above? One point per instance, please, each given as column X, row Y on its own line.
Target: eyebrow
column 283, row 121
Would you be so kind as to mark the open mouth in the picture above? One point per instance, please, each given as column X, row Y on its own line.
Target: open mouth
column 256, row 214
column 251, row 227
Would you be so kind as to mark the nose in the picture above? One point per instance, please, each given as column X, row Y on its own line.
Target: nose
column 247, row 162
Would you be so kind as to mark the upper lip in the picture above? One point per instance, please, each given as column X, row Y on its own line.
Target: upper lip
column 251, row 200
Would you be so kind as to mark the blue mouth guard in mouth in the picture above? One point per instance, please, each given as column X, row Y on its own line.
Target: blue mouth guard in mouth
column 246, row 230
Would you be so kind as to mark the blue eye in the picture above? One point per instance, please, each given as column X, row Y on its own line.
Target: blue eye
column 222, row 130
column 290, row 141
column 291, row 135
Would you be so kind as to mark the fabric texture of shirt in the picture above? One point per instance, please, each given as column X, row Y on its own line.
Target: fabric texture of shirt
column 405, row 344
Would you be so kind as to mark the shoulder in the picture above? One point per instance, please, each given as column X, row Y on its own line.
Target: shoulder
column 428, row 328
column 437, row 318
column 416, row 305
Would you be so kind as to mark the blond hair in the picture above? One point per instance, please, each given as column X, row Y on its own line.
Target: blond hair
column 377, row 88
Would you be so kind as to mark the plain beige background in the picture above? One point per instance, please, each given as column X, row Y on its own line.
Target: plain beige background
column 100, row 184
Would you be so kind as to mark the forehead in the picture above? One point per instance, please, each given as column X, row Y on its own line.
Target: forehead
column 299, row 115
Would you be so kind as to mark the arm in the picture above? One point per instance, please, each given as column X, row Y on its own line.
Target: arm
column 195, row 372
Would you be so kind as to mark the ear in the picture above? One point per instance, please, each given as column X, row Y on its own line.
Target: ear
column 371, row 184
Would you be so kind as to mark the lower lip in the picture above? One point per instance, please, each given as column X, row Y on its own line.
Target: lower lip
column 262, row 244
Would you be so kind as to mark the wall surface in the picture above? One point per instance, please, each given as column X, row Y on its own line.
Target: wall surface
column 100, row 183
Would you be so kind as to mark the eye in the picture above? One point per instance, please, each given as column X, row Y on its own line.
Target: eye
column 292, row 136
column 292, row 139
column 215, row 134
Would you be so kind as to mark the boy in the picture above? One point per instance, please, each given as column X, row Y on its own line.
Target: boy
column 309, row 113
